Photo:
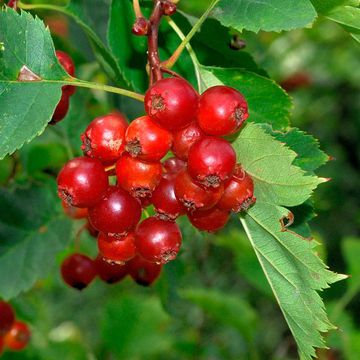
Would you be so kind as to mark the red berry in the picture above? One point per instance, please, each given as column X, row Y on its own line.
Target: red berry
column 172, row 103
column 117, row 249
column 18, row 337
column 209, row 220
column 193, row 196
column 78, row 271
column 173, row 165
column 92, row 231
column 67, row 63
column 168, row 7
column 140, row 27
column 61, row 109
column 157, row 240
column 222, row 110
column 74, row 212
column 7, row 317
column 164, row 200
column 183, row 139
column 137, row 177
column 117, row 213
column 143, row 272
column 110, row 273
column 147, row 140
column 238, row 192
column 104, row 138
column 82, row 182
column 211, row 161
column 12, row 4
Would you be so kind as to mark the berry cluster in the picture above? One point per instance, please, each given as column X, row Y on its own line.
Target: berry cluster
column 121, row 172
column 14, row 334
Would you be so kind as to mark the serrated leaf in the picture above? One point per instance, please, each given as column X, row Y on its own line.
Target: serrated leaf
column 268, row 103
column 294, row 272
column 270, row 164
column 266, row 15
column 32, row 231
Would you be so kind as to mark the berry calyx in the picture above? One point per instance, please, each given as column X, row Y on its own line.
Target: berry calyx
column 18, row 336
column 222, row 110
column 157, row 240
column 117, row 213
column 7, row 317
column 147, row 140
column 168, row 7
column 143, row 272
column 172, row 103
column 140, row 27
column 111, row 273
column 173, row 165
column 211, row 161
column 104, row 138
column 82, row 182
column 117, row 250
column 78, row 271
column 209, row 220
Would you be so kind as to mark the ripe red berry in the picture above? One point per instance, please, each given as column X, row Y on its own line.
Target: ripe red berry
column 137, row 177
column 173, row 165
column 147, row 140
column 110, row 273
column 117, row 213
column 104, row 138
column 211, row 161
column 143, row 272
column 67, row 63
column 168, row 7
column 82, row 182
column 164, row 200
column 78, row 271
column 7, row 317
column 172, row 103
column 61, row 109
column 74, row 212
column 193, row 196
column 238, row 192
column 18, row 337
column 183, row 139
column 222, row 110
column 157, row 240
column 140, row 27
column 117, row 249
column 91, row 230
column 209, row 220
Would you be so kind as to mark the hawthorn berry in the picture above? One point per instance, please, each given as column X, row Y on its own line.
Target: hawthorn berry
column 173, row 165
column 82, row 182
column 209, row 220
column 143, row 272
column 211, row 161
column 61, row 109
column 117, row 249
column 140, row 27
column 74, row 212
column 168, row 7
column 78, row 271
column 158, row 240
column 7, row 317
column 67, row 63
column 138, row 177
column 18, row 337
column 117, row 213
column 147, row 140
column 172, row 103
column 91, row 230
column 193, row 196
column 110, row 272
column 104, row 138
column 222, row 110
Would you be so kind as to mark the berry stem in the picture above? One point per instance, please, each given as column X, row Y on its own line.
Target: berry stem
column 137, row 9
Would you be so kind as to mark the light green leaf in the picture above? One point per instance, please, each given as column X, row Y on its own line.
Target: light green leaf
column 270, row 164
column 294, row 272
column 351, row 251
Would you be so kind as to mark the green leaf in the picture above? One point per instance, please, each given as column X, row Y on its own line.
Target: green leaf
column 32, row 231
column 351, row 252
column 294, row 272
column 266, row 15
column 268, row 103
column 26, row 106
column 270, row 164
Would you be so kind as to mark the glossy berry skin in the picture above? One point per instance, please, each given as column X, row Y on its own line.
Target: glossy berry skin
column 67, row 63
column 78, row 271
column 238, row 192
column 82, row 182
column 140, row 27
column 222, row 110
column 171, row 103
column 117, row 213
column 194, row 196
column 18, row 337
column 74, row 212
column 146, row 140
column 61, row 109
column 209, row 220
column 211, row 161
column 104, row 138
column 173, row 165
column 110, row 272
column 158, row 240
column 164, row 200
column 183, row 139
column 117, row 249
column 143, row 272
column 7, row 317
column 137, row 177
